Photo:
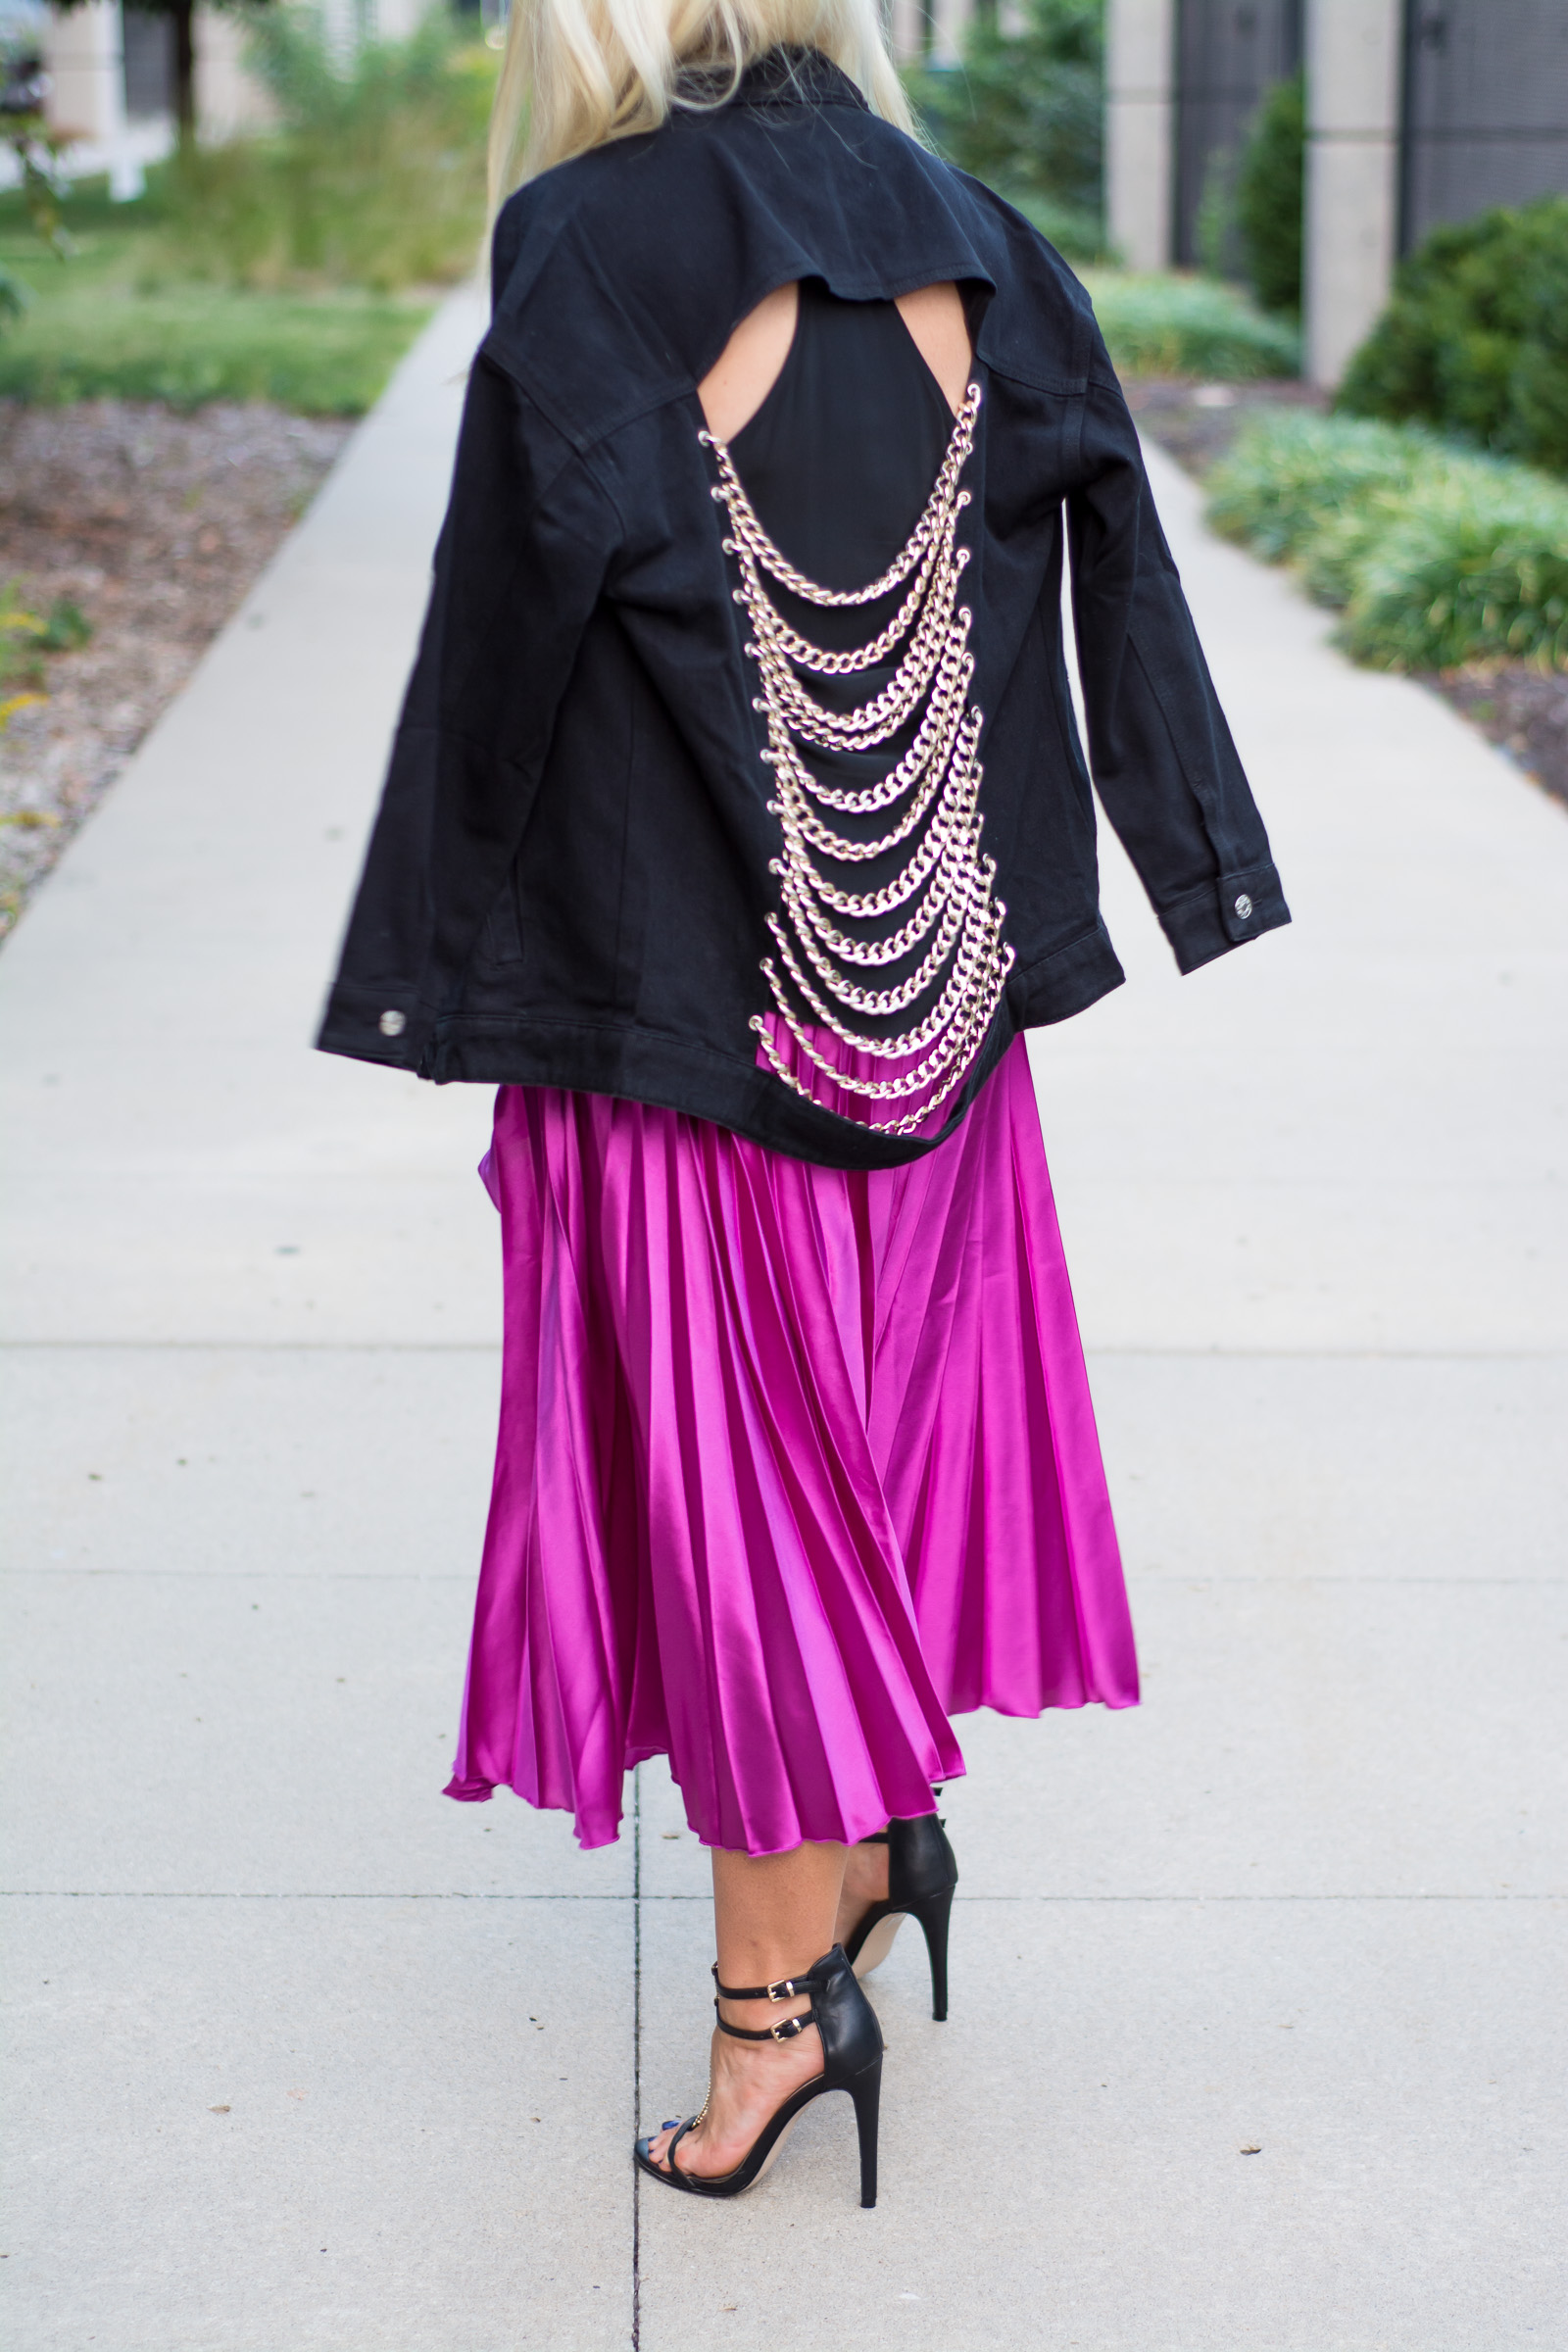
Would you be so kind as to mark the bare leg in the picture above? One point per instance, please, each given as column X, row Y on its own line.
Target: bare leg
column 774, row 1916
column 865, row 1882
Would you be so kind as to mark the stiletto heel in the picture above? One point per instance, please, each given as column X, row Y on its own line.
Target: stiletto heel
column 923, row 1873
column 852, row 2061
column 866, row 2092
column 934, row 1914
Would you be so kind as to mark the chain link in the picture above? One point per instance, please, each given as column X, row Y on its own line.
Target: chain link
column 933, row 787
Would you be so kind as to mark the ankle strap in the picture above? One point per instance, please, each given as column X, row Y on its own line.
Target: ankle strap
column 784, row 1989
column 785, row 2031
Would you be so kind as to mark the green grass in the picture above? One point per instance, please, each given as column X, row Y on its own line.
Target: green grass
column 1436, row 555
column 295, row 267
column 1197, row 326
column 122, row 320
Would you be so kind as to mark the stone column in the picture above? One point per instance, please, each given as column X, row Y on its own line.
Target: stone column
column 86, row 68
column 949, row 18
column 1353, row 169
column 906, row 21
column 1140, row 127
column 395, row 20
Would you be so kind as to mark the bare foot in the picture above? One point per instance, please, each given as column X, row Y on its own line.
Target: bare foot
column 748, row 2083
column 865, row 1882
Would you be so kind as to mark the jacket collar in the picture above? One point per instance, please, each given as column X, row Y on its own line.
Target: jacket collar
column 784, row 76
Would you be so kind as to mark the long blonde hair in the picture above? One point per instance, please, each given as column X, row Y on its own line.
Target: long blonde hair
column 577, row 73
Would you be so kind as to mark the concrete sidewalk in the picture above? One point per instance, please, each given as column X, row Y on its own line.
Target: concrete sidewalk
column 305, row 2057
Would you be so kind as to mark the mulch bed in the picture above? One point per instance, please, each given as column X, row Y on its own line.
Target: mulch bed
column 1520, row 708
column 155, row 524
column 1198, row 423
column 1523, row 710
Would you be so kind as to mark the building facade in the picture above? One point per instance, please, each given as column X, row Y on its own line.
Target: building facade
column 1418, row 111
column 111, row 73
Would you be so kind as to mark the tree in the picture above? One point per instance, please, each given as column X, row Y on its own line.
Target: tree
column 181, row 15
column 1024, row 111
column 24, row 87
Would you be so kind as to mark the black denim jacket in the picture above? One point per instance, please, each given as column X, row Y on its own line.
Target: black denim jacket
column 568, row 879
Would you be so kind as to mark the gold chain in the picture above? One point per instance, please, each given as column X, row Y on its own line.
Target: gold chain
column 931, row 792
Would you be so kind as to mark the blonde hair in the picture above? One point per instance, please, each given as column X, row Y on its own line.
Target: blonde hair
column 577, row 73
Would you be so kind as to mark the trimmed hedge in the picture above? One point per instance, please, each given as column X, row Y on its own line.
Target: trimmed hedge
column 1434, row 556
column 1170, row 325
column 1475, row 340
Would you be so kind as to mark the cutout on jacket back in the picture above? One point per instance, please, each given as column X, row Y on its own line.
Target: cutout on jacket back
column 752, row 360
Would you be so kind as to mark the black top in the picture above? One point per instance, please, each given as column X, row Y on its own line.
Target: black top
column 839, row 458
column 575, row 862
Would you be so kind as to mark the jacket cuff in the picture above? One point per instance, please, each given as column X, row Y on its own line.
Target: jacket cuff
column 1223, row 914
column 370, row 1025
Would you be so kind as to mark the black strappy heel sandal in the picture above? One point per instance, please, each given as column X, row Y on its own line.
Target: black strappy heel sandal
column 923, row 1873
column 852, row 2061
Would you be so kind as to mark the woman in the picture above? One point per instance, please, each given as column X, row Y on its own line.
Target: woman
column 737, row 825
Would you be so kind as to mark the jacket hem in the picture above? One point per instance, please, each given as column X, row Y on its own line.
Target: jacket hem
column 1066, row 981
column 671, row 1074
column 644, row 1065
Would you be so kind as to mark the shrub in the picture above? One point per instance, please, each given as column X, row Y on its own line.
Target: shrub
column 1169, row 325
column 1025, row 112
column 1269, row 187
column 1215, row 239
column 1437, row 555
column 375, row 177
column 1475, row 569
column 1475, row 340
column 1293, row 475
column 1077, row 237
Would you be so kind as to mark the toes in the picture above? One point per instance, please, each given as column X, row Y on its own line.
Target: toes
column 656, row 2147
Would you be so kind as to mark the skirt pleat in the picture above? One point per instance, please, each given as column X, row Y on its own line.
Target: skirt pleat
column 794, row 1463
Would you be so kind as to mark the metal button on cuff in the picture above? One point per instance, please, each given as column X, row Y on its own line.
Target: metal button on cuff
column 393, row 1025
column 1244, row 908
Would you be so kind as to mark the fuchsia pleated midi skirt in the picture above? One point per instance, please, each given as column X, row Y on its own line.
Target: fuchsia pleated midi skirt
column 794, row 1465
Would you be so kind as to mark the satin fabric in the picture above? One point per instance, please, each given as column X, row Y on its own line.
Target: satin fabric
column 794, row 1463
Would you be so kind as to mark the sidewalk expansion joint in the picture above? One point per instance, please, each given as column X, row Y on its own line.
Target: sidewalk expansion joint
column 638, row 1897
column 1105, row 1351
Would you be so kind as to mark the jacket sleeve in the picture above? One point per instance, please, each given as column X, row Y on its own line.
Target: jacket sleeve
column 1160, row 752
column 522, row 555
